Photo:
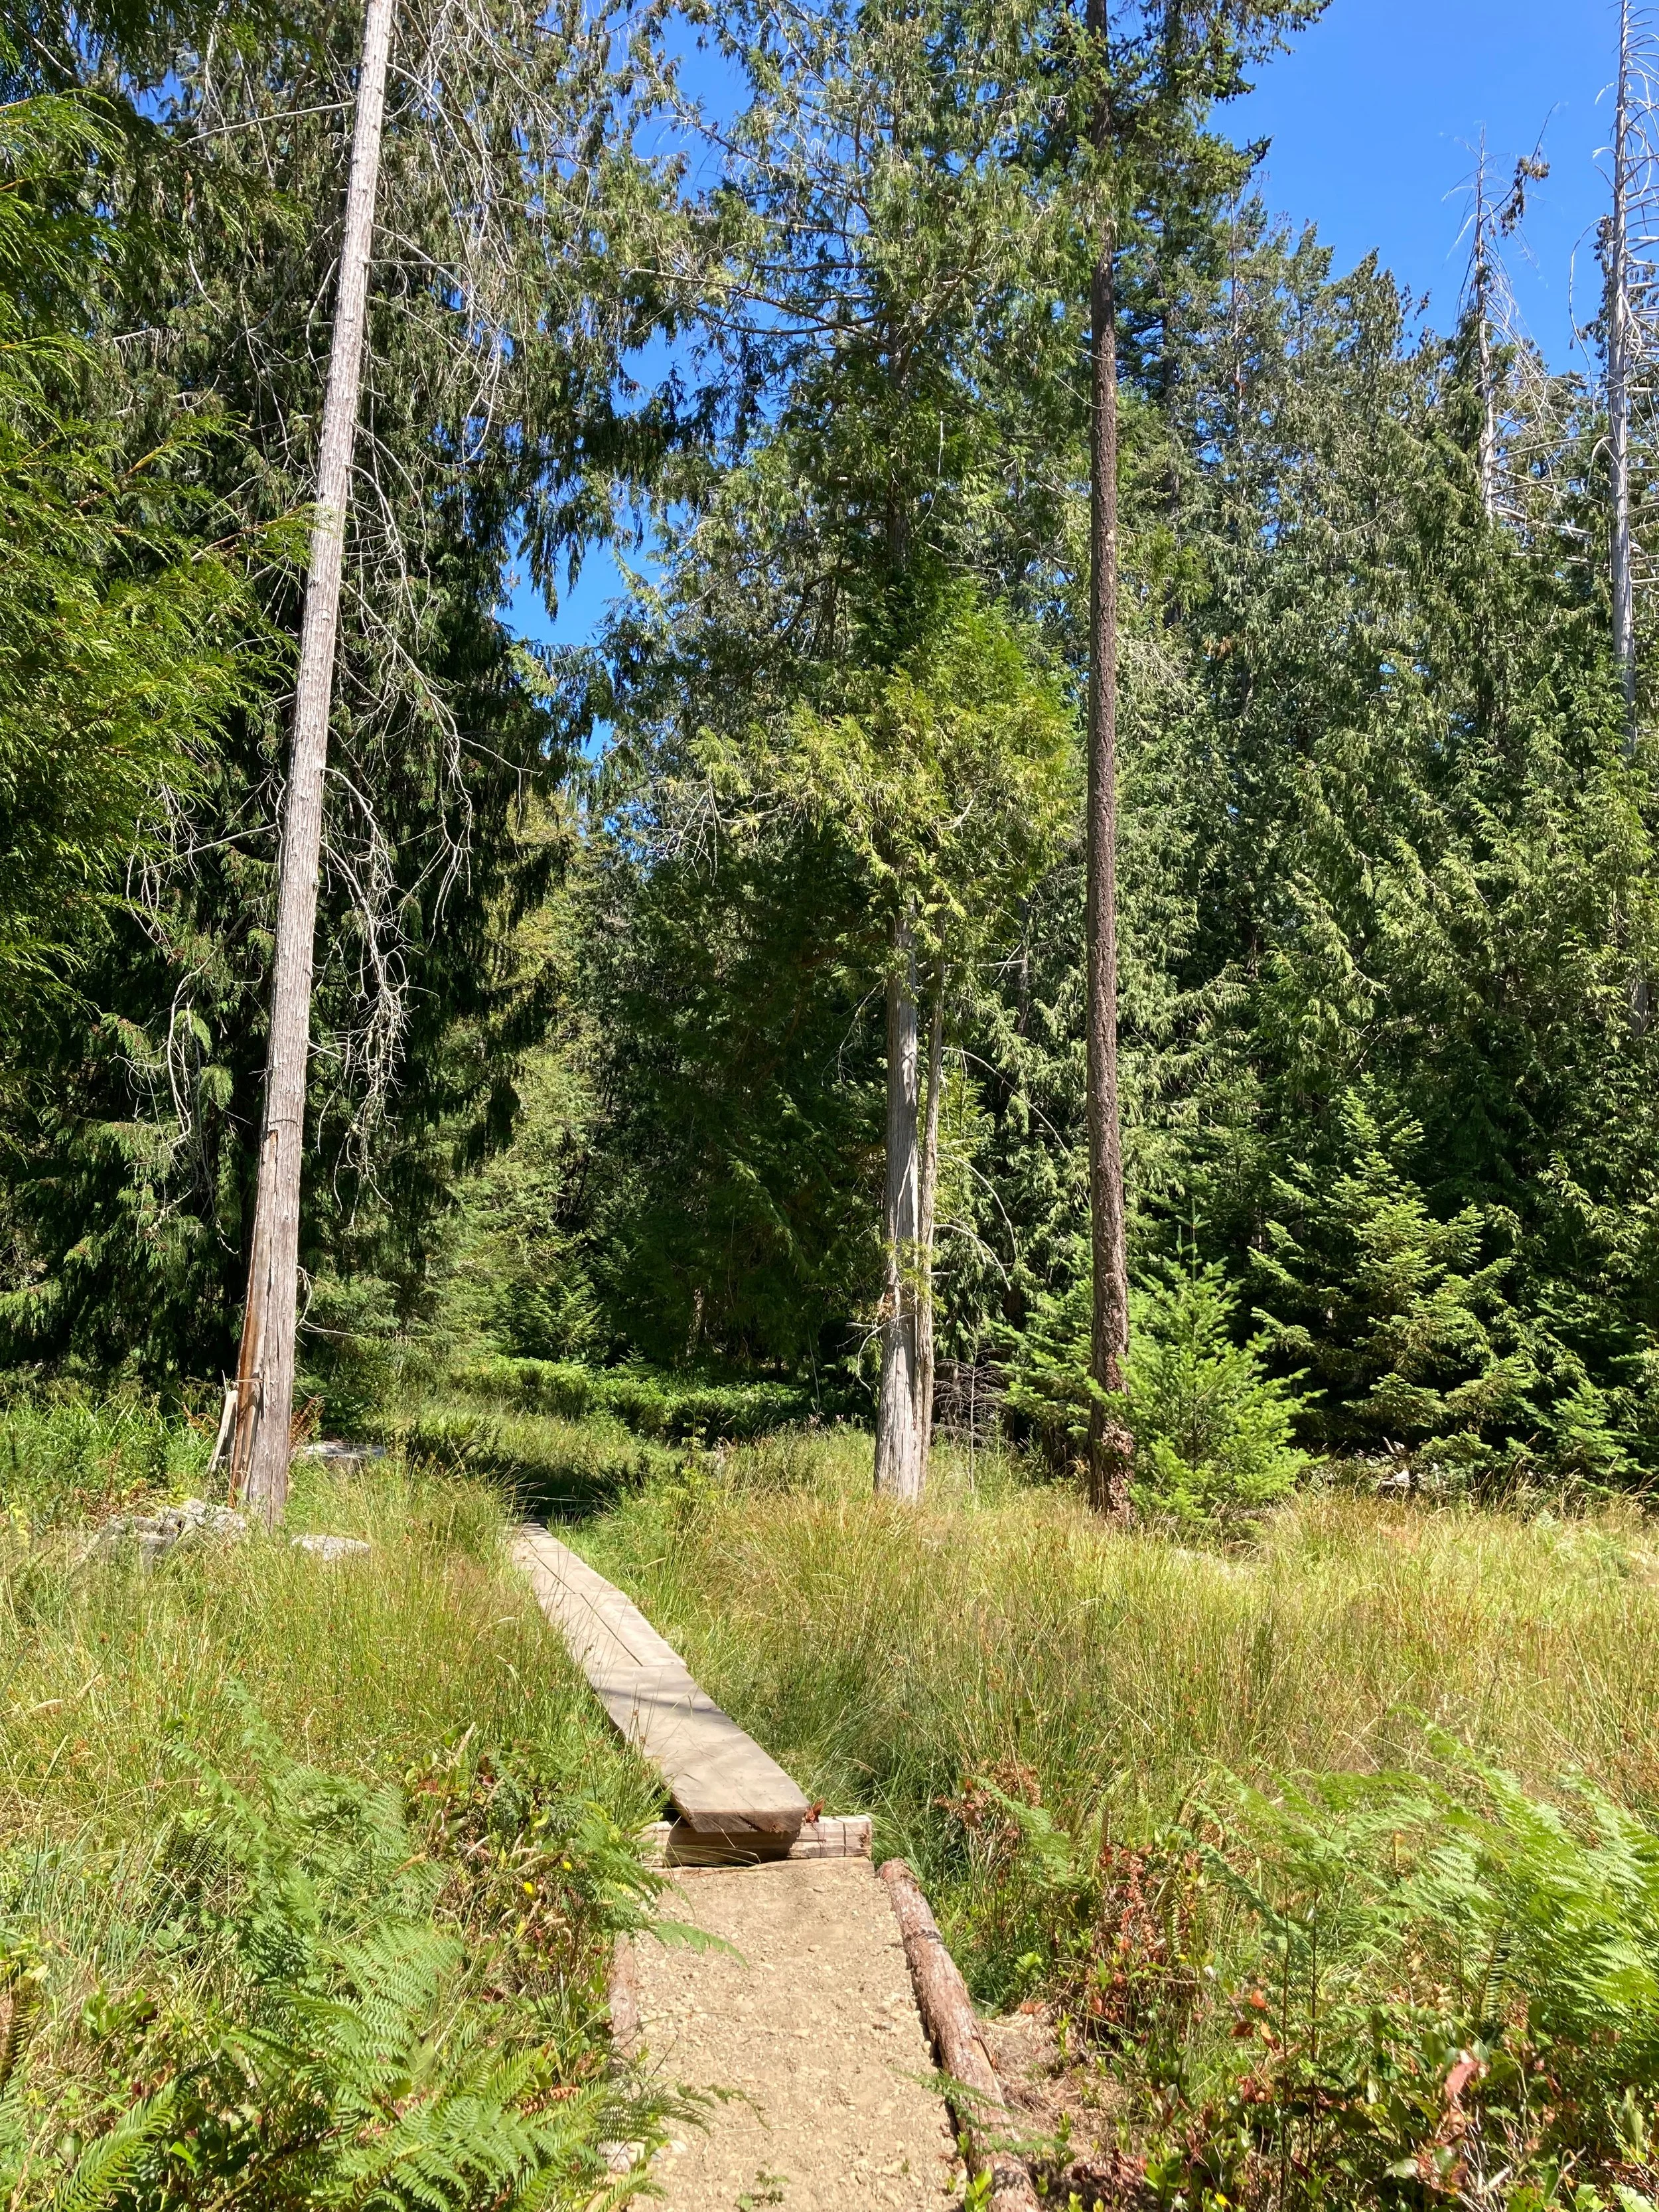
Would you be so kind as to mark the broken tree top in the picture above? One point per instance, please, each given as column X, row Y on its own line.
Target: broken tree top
column 721, row 1782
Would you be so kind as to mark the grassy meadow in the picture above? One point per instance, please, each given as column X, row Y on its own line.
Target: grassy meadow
column 891, row 1656
column 1291, row 1835
column 1331, row 1850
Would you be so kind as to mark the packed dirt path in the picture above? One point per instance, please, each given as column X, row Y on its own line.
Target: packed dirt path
column 814, row 2028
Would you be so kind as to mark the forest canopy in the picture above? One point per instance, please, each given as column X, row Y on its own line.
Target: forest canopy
column 615, row 944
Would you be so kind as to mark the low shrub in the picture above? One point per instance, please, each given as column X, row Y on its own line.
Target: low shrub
column 1370, row 1988
column 658, row 1406
column 1213, row 1429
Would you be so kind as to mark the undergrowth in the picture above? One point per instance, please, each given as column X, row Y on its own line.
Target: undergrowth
column 68, row 1456
column 1335, row 1853
column 308, row 1873
column 650, row 1402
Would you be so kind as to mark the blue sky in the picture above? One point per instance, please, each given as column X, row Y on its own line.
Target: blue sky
column 1373, row 116
column 1373, row 112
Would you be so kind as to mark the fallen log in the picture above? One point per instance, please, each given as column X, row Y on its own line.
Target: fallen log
column 947, row 2014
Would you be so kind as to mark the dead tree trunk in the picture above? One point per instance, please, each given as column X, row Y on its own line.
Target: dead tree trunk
column 900, row 1456
column 928, row 1209
column 1486, row 368
column 1619, row 348
column 259, row 1457
column 1110, row 1444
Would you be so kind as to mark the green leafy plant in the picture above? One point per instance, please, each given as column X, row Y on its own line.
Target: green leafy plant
column 1419, row 1984
column 650, row 1402
column 67, row 1455
column 335, row 1993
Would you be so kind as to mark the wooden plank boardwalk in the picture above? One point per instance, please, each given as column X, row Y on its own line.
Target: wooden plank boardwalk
column 802, row 2021
column 733, row 1796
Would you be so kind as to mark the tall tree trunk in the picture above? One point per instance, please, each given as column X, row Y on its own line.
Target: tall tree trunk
column 1110, row 1447
column 264, row 1386
column 901, row 1462
column 1622, row 367
column 1619, row 346
column 1486, row 367
column 926, row 1213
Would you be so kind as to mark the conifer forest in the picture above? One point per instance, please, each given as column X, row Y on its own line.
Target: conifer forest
column 1024, row 1088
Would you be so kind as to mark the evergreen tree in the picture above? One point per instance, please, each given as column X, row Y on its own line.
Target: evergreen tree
column 114, row 622
column 881, row 394
column 498, row 418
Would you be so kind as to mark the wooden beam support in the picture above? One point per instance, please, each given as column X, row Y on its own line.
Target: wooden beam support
column 674, row 1842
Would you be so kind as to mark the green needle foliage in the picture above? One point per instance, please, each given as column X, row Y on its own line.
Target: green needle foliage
column 116, row 620
column 946, row 783
column 1385, row 867
column 1213, row 1427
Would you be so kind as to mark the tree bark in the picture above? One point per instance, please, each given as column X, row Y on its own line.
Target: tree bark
column 1110, row 1447
column 900, row 1458
column 259, row 1455
column 928, row 1208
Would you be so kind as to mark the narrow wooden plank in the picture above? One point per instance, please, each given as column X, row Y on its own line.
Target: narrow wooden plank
column 722, row 1783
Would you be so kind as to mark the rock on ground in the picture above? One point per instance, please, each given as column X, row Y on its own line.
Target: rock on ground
column 155, row 1534
column 812, row 2031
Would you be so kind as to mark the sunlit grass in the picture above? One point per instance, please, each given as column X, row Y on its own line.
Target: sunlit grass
column 364, row 1665
column 132, row 1697
column 888, row 1658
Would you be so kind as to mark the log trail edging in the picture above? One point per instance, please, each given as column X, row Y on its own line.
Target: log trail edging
column 947, row 2014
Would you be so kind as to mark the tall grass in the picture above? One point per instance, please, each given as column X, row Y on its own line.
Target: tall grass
column 540, row 1464
column 320, row 1856
column 889, row 1656
column 1339, row 1852
column 363, row 1666
column 66, row 1454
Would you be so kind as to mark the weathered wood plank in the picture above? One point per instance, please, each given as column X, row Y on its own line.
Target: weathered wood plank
column 673, row 1843
column 722, row 1783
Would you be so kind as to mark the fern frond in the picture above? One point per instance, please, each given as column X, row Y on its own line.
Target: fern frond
column 105, row 2164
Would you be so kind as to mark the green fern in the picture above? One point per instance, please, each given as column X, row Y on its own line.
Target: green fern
column 360, row 2007
column 102, row 2171
column 1420, row 1977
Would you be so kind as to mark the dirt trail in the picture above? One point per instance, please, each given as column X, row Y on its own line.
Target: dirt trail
column 814, row 2028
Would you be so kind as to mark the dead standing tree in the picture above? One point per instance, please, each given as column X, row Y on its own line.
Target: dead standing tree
column 264, row 1375
column 1629, row 256
column 1522, row 426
